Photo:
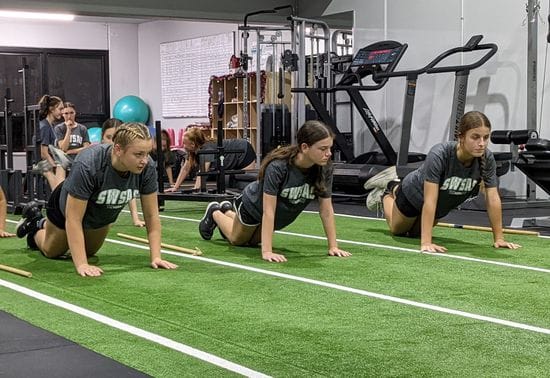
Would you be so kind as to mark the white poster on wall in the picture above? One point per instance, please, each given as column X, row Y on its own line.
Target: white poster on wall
column 185, row 70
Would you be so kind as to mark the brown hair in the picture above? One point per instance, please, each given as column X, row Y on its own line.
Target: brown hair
column 473, row 120
column 47, row 103
column 197, row 137
column 310, row 133
column 128, row 132
column 109, row 124
column 68, row 104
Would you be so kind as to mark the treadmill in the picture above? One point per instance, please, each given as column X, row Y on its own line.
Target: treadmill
column 379, row 61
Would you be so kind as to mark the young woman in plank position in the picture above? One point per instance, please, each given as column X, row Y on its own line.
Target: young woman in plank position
column 103, row 180
column 289, row 179
column 453, row 172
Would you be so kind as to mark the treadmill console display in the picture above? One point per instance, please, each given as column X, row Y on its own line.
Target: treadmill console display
column 365, row 57
column 375, row 58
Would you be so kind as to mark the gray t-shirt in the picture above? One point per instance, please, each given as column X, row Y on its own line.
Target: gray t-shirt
column 294, row 190
column 94, row 179
column 47, row 134
column 456, row 181
column 231, row 160
column 79, row 136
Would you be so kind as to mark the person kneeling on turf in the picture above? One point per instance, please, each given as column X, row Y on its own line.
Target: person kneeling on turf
column 453, row 172
column 289, row 179
column 103, row 180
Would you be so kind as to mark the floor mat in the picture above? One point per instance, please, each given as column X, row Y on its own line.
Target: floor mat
column 28, row 351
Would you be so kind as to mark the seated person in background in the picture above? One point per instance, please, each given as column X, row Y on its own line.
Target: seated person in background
column 289, row 179
column 168, row 155
column 453, row 172
column 107, row 132
column 81, row 210
column 3, row 213
column 51, row 108
column 195, row 141
column 71, row 136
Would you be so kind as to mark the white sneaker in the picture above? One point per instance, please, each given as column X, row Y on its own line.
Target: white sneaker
column 60, row 157
column 374, row 199
column 381, row 179
column 42, row 167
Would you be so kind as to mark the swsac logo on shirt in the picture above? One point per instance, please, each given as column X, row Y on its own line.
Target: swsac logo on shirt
column 459, row 185
column 112, row 197
column 298, row 194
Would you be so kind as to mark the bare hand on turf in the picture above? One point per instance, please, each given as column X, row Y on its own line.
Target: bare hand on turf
column 273, row 257
column 335, row 251
column 160, row 263
column 505, row 244
column 431, row 247
column 86, row 270
column 5, row 234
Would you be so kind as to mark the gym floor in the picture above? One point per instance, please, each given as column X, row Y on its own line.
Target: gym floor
column 26, row 350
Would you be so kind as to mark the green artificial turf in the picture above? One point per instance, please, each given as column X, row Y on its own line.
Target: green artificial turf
column 283, row 327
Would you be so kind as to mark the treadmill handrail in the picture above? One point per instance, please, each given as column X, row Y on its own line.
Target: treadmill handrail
column 430, row 68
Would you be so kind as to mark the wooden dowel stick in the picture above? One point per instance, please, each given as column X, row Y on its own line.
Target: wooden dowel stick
column 15, row 271
column 194, row 252
column 482, row 228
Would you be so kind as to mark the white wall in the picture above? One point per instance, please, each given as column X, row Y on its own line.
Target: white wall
column 123, row 60
column 151, row 35
column 431, row 26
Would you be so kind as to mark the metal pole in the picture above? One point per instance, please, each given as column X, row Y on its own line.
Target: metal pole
column 533, row 7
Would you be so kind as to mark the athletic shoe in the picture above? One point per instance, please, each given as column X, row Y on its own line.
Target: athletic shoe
column 42, row 167
column 207, row 224
column 30, row 241
column 374, row 199
column 28, row 224
column 60, row 157
column 381, row 179
column 225, row 206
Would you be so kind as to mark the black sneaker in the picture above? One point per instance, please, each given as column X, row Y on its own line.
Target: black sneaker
column 31, row 215
column 30, row 242
column 225, row 206
column 390, row 188
column 207, row 224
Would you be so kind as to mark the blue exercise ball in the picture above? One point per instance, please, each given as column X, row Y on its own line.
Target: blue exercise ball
column 94, row 134
column 131, row 109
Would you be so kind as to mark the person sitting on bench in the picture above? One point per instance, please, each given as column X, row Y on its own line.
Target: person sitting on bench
column 194, row 141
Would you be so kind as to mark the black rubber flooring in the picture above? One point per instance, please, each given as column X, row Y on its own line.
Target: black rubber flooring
column 28, row 351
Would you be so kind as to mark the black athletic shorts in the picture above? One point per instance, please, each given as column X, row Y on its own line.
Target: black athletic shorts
column 53, row 210
column 249, row 155
column 404, row 206
column 244, row 216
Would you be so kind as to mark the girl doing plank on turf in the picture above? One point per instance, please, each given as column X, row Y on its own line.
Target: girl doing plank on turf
column 103, row 180
column 107, row 132
column 289, row 179
column 195, row 141
column 453, row 172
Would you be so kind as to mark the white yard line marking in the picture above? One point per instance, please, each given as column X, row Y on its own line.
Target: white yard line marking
column 458, row 257
column 370, row 294
column 394, row 248
column 204, row 356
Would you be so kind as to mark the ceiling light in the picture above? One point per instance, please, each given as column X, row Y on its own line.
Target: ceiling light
column 37, row 16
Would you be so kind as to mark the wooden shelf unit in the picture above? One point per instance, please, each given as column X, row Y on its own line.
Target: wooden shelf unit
column 232, row 90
